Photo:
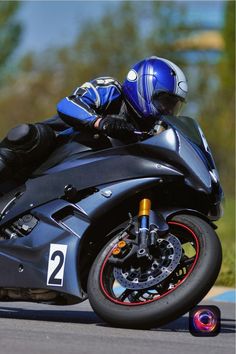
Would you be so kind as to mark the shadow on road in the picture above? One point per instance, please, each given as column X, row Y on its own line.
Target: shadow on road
column 89, row 317
column 86, row 317
column 182, row 325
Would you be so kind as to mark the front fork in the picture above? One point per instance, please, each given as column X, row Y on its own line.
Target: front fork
column 143, row 222
column 151, row 226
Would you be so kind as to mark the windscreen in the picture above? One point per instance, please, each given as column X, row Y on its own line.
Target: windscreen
column 192, row 131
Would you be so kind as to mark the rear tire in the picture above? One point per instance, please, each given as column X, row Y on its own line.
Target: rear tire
column 175, row 302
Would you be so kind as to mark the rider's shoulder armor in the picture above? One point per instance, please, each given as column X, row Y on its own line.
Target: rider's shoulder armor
column 100, row 96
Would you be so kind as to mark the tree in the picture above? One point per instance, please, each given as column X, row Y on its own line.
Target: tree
column 10, row 31
column 219, row 109
column 109, row 46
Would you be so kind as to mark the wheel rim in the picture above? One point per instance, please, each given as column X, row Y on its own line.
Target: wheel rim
column 136, row 298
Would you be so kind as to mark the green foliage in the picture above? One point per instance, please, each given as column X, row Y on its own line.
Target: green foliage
column 111, row 45
column 226, row 232
column 228, row 60
column 167, row 23
column 218, row 112
column 10, row 31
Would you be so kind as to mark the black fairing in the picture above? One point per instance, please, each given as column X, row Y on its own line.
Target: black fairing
column 176, row 158
column 173, row 169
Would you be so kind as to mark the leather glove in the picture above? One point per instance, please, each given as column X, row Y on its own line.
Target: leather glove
column 117, row 128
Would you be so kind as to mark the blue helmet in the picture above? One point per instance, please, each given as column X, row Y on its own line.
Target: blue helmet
column 154, row 87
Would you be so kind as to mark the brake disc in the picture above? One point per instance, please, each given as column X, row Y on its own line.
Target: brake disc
column 171, row 250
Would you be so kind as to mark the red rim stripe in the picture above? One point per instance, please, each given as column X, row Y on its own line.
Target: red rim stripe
column 168, row 292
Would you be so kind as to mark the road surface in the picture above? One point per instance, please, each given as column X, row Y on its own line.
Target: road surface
column 38, row 329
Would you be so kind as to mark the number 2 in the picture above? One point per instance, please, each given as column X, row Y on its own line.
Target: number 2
column 56, row 264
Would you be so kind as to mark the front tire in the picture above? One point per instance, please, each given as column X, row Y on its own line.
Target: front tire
column 171, row 303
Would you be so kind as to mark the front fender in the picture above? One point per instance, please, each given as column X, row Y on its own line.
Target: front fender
column 168, row 214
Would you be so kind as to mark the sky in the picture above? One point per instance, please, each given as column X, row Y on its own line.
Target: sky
column 56, row 23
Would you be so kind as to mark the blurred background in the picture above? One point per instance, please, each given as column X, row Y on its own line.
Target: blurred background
column 50, row 47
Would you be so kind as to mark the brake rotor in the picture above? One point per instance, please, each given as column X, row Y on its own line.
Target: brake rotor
column 135, row 279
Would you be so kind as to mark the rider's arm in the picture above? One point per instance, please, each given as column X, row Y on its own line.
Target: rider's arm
column 89, row 102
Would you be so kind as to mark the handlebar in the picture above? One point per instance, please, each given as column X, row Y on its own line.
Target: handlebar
column 137, row 132
column 157, row 129
column 143, row 134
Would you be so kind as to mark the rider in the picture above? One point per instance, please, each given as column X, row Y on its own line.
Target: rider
column 102, row 107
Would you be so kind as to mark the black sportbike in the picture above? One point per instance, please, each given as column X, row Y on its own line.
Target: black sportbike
column 130, row 227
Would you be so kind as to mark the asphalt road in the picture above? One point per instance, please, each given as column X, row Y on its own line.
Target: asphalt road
column 38, row 329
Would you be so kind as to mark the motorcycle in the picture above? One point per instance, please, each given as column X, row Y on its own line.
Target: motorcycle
column 129, row 227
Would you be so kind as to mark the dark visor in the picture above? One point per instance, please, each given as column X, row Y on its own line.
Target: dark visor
column 167, row 104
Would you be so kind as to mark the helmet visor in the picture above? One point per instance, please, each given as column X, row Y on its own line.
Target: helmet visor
column 167, row 104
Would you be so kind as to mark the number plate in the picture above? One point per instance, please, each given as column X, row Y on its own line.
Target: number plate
column 56, row 264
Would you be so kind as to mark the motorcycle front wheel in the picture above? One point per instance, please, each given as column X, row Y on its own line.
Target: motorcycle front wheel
column 159, row 300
